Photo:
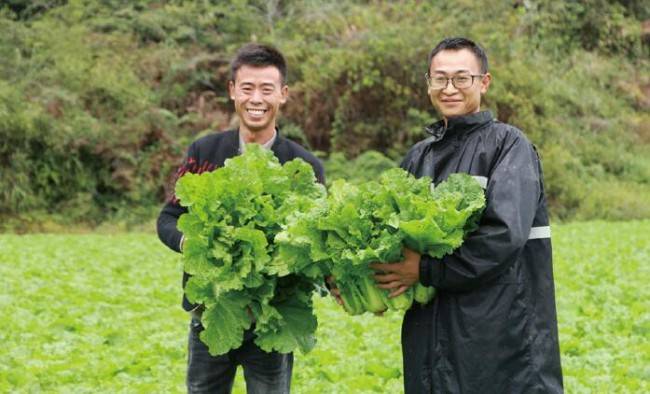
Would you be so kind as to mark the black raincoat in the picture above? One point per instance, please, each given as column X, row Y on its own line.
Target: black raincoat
column 492, row 327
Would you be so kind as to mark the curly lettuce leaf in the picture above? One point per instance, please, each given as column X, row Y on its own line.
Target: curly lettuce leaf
column 225, row 322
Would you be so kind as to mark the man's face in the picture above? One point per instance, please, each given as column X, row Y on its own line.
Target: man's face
column 451, row 101
column 257, row 93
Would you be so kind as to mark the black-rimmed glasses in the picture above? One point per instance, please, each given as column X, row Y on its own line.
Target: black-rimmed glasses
column 439, row 82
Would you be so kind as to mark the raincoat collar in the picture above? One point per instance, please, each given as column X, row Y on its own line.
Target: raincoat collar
column 458, row 124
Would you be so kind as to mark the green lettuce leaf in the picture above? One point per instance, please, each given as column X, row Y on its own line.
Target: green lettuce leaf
column 225, row 321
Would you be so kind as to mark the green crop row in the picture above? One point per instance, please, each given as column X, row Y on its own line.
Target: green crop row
column 93, row 313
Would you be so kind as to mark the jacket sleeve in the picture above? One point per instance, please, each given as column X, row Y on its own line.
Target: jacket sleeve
column 512, row 195
column 168, row 217
column 319, row 171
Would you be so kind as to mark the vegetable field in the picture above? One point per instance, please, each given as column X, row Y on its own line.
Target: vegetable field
column 101, row 313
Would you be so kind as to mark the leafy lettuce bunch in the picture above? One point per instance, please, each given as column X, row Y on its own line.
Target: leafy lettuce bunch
column 372, row 221
column 234, row 214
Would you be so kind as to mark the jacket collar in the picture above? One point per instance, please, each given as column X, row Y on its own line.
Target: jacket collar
column 279, row 146
column 458, row 125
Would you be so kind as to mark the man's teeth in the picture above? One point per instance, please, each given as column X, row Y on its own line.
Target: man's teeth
column 256, row 111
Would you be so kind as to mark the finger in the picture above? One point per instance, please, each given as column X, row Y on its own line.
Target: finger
column 336, row 294
column 400, row 290
column 383, row 267
column 332, row 286
column 408, row 251
column 390, row 286
column 384, row 278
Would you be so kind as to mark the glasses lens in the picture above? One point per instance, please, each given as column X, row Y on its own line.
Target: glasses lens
column 438, row 82
column 462, row 81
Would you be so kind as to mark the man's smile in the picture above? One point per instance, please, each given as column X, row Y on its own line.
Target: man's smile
column 256, row 111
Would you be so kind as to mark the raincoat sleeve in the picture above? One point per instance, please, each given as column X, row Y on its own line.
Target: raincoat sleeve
column 512, row 195
column 168, row 217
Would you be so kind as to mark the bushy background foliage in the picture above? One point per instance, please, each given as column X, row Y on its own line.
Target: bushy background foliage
column 98, row 100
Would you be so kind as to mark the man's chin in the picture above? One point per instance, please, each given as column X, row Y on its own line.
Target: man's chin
column 452, row 114
column 449, row 111
column 256, row 126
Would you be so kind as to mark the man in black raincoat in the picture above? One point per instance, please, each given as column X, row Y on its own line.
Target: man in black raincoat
column 492, row 327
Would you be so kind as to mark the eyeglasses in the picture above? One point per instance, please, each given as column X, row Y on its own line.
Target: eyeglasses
column 440, row 82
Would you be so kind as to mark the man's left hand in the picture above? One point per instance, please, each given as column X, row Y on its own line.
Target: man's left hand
column 399, row 276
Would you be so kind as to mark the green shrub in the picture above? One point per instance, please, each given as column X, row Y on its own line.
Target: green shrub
column 99, row 100
column 615, row 200
column 364, row 167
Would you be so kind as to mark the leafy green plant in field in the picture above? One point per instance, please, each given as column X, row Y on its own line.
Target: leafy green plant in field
column 98, row 313
column 90, row 313
column 601, row 271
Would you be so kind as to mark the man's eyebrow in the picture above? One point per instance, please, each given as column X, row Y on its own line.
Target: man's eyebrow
column 250, row 83
column 451, row 72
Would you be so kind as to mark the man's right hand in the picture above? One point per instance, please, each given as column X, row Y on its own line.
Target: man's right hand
column 336, row 293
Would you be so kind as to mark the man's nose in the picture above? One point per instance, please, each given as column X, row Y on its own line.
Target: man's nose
column 256, row 96
column 450, row 88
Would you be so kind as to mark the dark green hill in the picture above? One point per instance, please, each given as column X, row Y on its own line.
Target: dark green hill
column 98, row 100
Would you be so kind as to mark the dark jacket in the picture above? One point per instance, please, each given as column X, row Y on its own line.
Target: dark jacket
column 492, row 327
column 208, row 153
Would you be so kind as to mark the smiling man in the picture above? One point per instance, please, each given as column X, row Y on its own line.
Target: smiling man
column 258, row 89
column 492, row 326
column 456, row 81
column 257, row 93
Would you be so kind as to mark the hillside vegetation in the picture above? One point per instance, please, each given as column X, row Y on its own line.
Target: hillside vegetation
column 98, row 100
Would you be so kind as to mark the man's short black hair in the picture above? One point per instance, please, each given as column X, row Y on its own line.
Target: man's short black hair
column 259, row 55
column 458, row 43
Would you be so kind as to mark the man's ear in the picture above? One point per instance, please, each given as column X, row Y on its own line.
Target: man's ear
column 231, row 89
column 485, row 82
column 285, row 94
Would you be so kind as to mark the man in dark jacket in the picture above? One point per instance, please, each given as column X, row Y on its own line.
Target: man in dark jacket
column 258, row 89
column 492, row 327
